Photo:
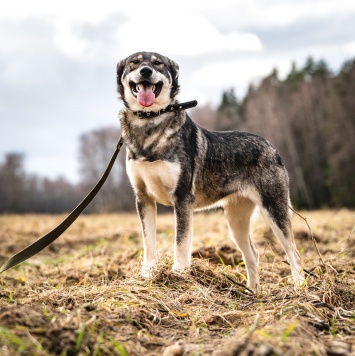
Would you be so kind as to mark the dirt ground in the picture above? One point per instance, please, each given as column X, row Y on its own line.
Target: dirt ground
column 83, row 295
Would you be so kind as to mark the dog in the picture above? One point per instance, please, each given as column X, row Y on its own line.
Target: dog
column 173, row 161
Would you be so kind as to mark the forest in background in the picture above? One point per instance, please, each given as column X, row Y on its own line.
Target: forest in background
column 309, row 117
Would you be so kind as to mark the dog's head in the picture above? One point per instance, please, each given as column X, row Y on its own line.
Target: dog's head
column 147, row 81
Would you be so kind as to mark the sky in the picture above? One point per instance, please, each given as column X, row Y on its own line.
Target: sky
column 58, row 60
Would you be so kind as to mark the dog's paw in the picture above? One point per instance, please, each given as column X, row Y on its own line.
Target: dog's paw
column 147, row 272
column 300, row 281
column 180, row 271
column 180, row 264
column 298, row 278
column 254, row 288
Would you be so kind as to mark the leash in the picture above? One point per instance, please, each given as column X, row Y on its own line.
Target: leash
column 44, row 241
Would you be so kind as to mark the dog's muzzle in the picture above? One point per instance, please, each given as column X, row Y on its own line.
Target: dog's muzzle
column 145, row 90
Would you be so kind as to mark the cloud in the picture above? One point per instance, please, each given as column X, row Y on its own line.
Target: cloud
column 127, row 32
column 350, row 48
column 251, row 14
column 193, row 37
column 233, row 73
column 87, row 41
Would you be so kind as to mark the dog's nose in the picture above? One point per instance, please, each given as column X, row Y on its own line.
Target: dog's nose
column 146, row 72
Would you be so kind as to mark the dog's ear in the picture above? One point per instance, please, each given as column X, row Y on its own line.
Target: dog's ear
column 120, row 69
column 174, row 69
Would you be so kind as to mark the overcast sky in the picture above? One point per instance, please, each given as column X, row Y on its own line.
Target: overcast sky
column 58, row 59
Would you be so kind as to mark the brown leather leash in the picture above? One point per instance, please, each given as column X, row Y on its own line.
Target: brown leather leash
column 47, row 239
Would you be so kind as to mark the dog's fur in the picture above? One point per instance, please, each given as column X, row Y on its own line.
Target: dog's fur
column 173, row 161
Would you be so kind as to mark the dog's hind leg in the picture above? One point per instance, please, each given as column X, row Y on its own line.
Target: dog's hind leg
column 279, row 218
column 147, row 212
column 238, row 212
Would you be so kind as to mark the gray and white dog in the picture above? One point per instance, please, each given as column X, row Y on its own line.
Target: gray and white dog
column 173, row 161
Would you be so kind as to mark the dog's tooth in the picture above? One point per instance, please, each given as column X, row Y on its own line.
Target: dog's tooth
column 153, row 88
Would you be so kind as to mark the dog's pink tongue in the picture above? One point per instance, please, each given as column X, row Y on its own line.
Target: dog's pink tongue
column 145, row 95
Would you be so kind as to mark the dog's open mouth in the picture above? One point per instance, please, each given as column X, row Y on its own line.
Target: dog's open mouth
column 146, row 92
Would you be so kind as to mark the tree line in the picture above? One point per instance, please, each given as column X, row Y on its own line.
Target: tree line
column 21, row 192
column 309, row 117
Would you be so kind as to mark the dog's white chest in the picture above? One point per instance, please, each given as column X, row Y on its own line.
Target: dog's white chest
column 160, row 178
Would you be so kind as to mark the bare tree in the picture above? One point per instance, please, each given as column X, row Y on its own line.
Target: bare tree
column 12, row 183
column 96, row 148
column 205, row 116
column 24, row 193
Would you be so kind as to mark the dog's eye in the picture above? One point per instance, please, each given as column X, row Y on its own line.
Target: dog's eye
column 158, row 63
column 135, row 61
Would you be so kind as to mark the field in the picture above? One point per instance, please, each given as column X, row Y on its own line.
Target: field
column 84, row 295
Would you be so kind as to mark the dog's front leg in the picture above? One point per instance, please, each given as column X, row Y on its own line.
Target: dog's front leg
column 147, row 212
column 183, row 234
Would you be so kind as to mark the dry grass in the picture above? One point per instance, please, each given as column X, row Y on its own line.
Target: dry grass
column 83, row 295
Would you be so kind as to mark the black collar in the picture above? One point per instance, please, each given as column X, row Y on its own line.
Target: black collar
column 169, row 108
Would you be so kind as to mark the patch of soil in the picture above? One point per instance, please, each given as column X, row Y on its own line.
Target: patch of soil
column 222, row 255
